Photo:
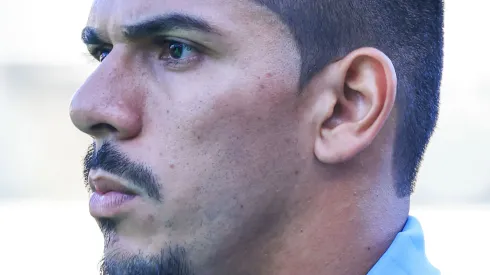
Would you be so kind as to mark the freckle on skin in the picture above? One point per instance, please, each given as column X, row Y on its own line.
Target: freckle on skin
column 268, row 75
column 151, row 218
column 172, row 166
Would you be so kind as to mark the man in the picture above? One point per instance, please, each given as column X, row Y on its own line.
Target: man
column 259, row 136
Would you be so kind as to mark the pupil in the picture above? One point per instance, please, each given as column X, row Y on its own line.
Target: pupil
column 176, row 50
column 103, row 56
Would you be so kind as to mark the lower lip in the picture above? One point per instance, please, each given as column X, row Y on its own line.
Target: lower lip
column 109, row 204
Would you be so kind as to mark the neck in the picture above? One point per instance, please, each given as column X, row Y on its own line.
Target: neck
column 338, row 232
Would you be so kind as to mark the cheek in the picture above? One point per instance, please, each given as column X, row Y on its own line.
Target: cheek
column 221, row 150
column 234, row 138
column 243, row 114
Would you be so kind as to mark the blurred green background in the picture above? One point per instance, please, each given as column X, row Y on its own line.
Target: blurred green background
column 46, row 228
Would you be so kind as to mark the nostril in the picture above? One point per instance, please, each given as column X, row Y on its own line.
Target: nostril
column 103, row 127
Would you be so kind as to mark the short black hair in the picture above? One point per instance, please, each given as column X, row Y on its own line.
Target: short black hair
column 409, row 32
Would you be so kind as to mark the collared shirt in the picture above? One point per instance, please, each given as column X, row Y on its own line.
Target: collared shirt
column 406, row 255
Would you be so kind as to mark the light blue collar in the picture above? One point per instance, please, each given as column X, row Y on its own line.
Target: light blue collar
column 406, row 255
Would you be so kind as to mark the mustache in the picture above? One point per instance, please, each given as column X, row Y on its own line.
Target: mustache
column 111, row 160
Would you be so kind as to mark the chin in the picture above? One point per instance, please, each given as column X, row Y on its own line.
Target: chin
column 169, row 260
column 116, row 243
column 124, row 237
column 124, row 255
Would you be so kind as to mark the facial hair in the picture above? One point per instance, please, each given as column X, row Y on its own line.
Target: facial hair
column 172, row 260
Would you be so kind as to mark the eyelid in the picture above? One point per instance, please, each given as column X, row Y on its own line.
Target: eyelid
column 95, row 50
column 162, row 40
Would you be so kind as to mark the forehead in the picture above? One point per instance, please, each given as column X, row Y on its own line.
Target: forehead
column 227, row 15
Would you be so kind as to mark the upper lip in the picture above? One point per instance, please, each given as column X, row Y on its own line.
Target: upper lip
column 107, row 183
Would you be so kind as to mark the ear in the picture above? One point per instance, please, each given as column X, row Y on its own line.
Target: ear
column 354, row 98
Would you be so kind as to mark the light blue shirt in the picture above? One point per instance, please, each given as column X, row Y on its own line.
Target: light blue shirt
column 406, row 255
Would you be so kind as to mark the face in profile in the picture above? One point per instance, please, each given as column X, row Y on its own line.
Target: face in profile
column 195, row 114
column 227, row 142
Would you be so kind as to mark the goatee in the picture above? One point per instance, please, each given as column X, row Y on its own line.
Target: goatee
column 170, row 261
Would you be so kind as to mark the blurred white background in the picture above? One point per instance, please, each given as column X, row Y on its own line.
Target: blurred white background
column 46, row 228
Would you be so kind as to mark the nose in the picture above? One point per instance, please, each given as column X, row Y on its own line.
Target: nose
column 109, row 104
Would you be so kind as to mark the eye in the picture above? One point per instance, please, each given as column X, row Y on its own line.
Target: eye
column 103, row 54
column 178, row 54
column 177, row 50
column 100, row 53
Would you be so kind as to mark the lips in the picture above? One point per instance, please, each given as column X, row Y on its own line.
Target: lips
column 103, row 186
column 110, row 204
column 110, row 197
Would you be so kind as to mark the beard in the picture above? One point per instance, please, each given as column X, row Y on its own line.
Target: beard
column 170, row 261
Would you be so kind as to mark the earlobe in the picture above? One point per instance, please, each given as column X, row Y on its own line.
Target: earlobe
column 359, row 106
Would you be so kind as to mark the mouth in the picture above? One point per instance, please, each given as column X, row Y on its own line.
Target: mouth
column 110, row 196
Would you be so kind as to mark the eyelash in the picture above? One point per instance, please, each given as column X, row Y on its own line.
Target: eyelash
column 99, row 50
column 163, row 43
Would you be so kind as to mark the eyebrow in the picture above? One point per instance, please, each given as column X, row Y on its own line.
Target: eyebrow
column 153, row 26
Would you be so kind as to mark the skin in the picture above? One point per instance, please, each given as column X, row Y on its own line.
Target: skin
column 257, row 175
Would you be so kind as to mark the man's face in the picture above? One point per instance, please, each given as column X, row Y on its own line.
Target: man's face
column 201, row 120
